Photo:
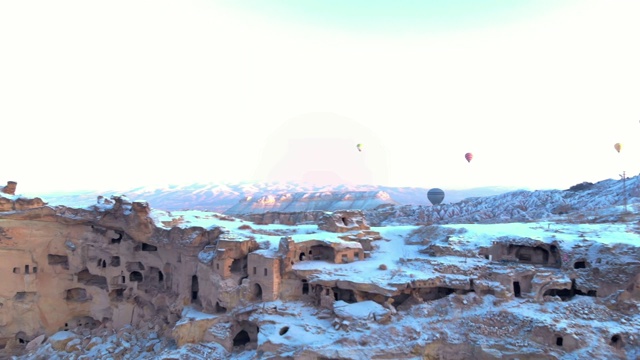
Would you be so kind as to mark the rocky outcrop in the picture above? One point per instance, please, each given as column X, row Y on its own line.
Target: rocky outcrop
column 109, row 263
column 9, row 201
column 343, row 221
column 10, row 188
column 285, row 218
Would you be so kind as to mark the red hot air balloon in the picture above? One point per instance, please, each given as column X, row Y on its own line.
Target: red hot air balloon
column 468, row 156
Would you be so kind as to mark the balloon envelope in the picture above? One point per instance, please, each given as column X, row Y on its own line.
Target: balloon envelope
column 435, row 196
column 468, row 156
column 618, row 147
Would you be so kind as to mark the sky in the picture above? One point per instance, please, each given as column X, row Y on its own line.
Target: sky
column 114, row 95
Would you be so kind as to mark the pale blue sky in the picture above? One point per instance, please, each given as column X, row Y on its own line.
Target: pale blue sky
column 126, row 93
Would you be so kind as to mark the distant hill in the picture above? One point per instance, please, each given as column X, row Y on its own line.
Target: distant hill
column 586, row 202
column 222, row 197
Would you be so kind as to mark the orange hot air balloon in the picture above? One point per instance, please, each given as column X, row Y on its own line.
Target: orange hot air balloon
column 618, row 147
column 468, row 156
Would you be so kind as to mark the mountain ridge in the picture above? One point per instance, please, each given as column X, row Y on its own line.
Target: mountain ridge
column 220, row 197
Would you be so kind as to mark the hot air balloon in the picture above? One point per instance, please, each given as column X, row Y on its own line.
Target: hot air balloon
column 359, row 146
column 435, row 196
column 618, row 147
column 468, row 156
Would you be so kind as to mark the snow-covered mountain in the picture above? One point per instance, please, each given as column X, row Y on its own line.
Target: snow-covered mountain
column 221, row 197
column 382, row 204
column 309, row 201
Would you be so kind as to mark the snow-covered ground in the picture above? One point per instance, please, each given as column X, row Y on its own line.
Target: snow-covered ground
column 457, row 319
column 456, row 326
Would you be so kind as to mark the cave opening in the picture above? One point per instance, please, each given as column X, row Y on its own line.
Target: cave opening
column 241, row 339
column 89, row 279
column 345, row 295
column 399, row 299
column 563, row 294
column 135, row 276
column 257, row 291
column 194, row 288
column 77, row 295
column 239, row 266
column 435, row 293
column 61, row 260
column 616, row 341
column 115, row 261
column 116, row 295
column 220, row 309
column 118, row 239
column 149, row 247
column 21, row 338
column 516, row 288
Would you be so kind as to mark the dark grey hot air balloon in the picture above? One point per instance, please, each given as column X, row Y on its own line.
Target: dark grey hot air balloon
column 435, row 195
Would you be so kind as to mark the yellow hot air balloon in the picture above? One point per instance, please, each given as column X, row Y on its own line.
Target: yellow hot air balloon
column 359, row 146
column 618, row 147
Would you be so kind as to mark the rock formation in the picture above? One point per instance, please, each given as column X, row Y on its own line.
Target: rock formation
column 112, row 266
column 10, row 188
column 95, row 282
column 9, row 201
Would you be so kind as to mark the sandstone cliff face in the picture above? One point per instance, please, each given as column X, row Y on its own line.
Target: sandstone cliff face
column 68, row 268
column 111, row 266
